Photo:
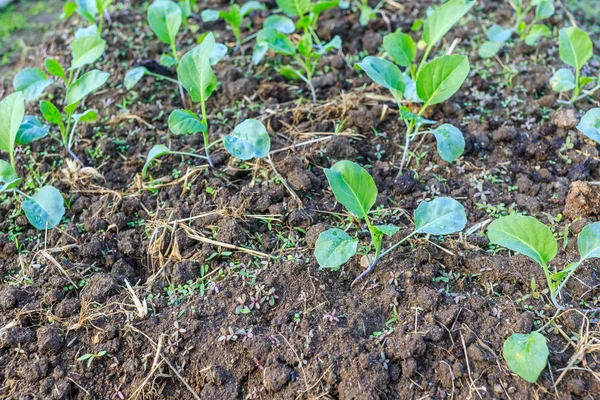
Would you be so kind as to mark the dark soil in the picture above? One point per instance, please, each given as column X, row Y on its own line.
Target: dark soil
column 429, row 322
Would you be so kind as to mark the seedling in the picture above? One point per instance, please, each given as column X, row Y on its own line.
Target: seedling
column 529, row 32
column 575, row 49
column 94, row 11
column 526, row 354
column 233, row 17
column 355, row 189
column 367, row 13
column 590, row 124
column 44, row 209
column 430, row 83
column 90, row 357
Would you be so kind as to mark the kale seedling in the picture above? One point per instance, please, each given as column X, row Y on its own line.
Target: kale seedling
column 575, row 49
column 428, row 83
column 94, row 11
column 85, row 50
column 45, row 208
column 526, row 354
column 355, row 189
column 233, row 17
column 530, row 32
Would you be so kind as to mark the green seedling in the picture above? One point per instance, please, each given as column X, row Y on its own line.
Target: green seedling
column 94, row 11
column 526, row 354
column 428, row 83
column 531, row 32
column 355, row 189
column 45, row 208
column 90, row 357
column 85, row 50
column 575, row 49
column 234, row 17
column 367, row 13
column 305, row 53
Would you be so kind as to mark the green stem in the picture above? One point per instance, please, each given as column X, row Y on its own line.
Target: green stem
column 100, row 25
column 159, row 76
column 413, row 233
column 12, row 159
column 174, row 51
column 205, row 134
column 556, row 314
column 577, row 89
column 424, row 58
column 183, row 153
column 215, row 142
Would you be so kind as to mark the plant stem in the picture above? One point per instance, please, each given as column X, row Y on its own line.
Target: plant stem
column 12, row 159
column 205, row 134
column 577, row 89
column 174, row 51
column 424, row 58
column 406, row 145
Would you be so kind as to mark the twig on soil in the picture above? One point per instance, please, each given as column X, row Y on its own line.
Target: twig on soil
column 124, row 117
column 299, row 362
column 193, row 234
column 156, row 363
column 287, row 186
column 472, row 386
column 53, row 261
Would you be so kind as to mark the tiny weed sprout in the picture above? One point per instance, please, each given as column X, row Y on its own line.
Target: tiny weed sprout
column 44, row 209
column 428, row 83
column 234, row 17
column 575, row 49
column 355, row 189
column 366, row 12
column 32, row 82
column 530, row 32
column 307, row 51
column 526, row 354
column 94, row 12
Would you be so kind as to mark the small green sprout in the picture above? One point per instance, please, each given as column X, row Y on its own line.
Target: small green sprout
column 90, row 357
column 93, row 11
column 234, row 16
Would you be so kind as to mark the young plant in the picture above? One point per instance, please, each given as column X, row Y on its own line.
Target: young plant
column 355, row 189
column 32, row 82
column 526, row 354
column 530, row 32
column 366, row 12
column 575, row 49
column 590, row 124
column 234, row 17
column 94, row 11
column 428, row 83
column 44, row 209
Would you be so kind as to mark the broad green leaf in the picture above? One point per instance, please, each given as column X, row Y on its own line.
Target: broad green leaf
column 525, row 235
column 167, row 60
column 86, row 50
column 383, row 72
column 186, row 10
column 352, row 186
column 185, row 122
column 249, row 139
column 258, row 52
column 45, row 209
column 588, row 241
column 133, row 76
column 86, row 117
column 54, row 68
column 165, row 19
column 85, row 85
column 294, row 7
column 195, row 73
column 400, row 47
column 219, row 51
column 69, row 9
column 450, row 142
column 526, row 354
column 12, row 111
column 441, row 78
column 563, row 80
column 87, row 9
column 489, row 49
column 50, row 112
column 333, row 44
column 590, row 124
column 91, row 30
column 322, row 5
column 545, row 9
column 8, row 177
column 388, row 230
column 289, row 72
column 496, row 33
column 155, row 152
column 443, row 19
column 536, row 32
column 280, row 23
column 31, row 129
column 251, row 6
column 334, row 247
column 441, row 216
column 276, row 41
column 575, row 47
column 32, row 82
column 210, row 15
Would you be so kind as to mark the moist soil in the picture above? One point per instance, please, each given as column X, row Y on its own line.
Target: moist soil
column 236, row 305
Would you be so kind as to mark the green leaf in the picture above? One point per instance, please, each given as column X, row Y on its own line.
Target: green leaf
column 258, row 52
column 544, row 10
column 185, row 122
column 590, row 124
column 219, row 51
column 234, row 17
column 45, row 209
column 249, row 139
column 388, row 230
column 276, row 41
column 251, row 6
column 536, row 32
column 489, row 49
column 441, row 216
column 50, row 112
column 366, row 14
column 8, row 177
column 87, row 9
column 305, row 45
column 323, row 5
column 155, row 152
column 496, row 33
column 210, row 15
column 526, row 354
column 32, row 82
column 31, row 129
column 85, row 85
column 383, row 72
column 352, row 186
column 294, row 7
column 441, row 78
column 443, row 19
column 334, row 247
column 195, row 73
column 167, row 61
column 12, row 111
column 86, row 50
column 588, row 241
column 450, row 142
column 85, row 357
column 133, row 76
column 289, row 72
column 165, row 19
column 69, row 9
column 54, row 68
column 280, row 23
column 525, row 235
column 563, row 80
column 91, row 30
column 401, row 48
column 87, row 116
column 575, row 47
